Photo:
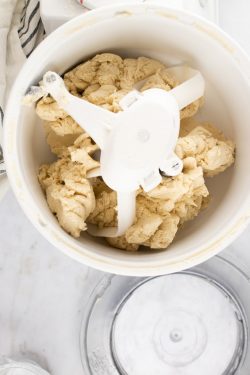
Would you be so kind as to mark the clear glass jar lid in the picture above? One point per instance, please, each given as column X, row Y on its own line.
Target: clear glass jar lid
column 180, row 321
column 192, row 322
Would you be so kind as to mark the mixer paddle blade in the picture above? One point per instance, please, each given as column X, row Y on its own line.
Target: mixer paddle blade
column 93, row 119
column 191, row 87
column 126, row 213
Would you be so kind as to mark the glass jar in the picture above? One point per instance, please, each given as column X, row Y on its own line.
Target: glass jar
column 191, row 322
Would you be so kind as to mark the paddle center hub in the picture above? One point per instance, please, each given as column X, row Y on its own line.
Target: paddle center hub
column 142, row 138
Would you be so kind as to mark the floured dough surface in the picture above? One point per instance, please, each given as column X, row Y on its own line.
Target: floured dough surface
column 69, row 194
column 213, row 152
column 159, row 212
column 76, row 199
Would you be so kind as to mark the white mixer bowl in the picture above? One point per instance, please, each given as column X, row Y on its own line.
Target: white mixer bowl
column 173, row 37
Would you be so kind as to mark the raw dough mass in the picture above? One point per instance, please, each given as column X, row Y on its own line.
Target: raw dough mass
column 77, row 200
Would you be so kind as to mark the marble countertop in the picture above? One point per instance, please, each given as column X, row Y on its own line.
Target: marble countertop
column 42, row 290
column 41, row 294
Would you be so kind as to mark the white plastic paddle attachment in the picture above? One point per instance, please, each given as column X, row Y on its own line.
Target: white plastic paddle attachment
column 137, row 144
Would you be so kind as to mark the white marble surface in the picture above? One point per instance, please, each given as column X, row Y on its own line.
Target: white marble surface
column 41, row 290
column 41, row 294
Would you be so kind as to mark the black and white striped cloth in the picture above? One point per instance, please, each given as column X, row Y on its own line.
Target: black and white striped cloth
column 31, row 30
column 21, row 29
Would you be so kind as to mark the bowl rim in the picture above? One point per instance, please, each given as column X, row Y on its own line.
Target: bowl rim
column 63, row 241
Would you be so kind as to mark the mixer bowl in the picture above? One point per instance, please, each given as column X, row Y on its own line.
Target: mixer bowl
column 173, row 37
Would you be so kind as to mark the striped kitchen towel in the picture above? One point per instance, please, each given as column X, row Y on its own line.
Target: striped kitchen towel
column 21, row 30
column 31, row 30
